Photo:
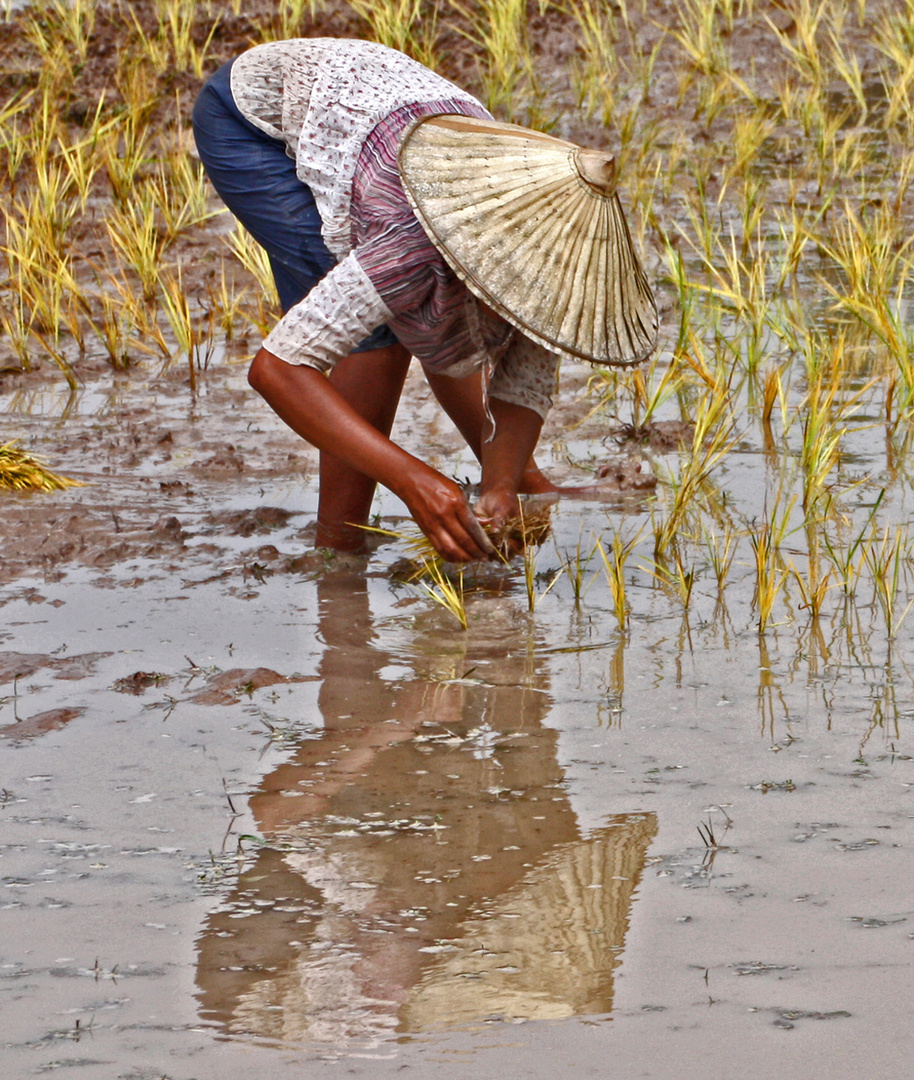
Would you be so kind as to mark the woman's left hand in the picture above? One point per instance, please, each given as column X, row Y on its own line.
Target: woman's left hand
column 496, row 507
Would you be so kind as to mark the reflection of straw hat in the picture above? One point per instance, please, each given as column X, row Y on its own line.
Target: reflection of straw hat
column 547, row 947
column 533, row 226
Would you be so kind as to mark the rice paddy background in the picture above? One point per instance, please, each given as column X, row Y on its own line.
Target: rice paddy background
column 766, row 153
column 736, row 641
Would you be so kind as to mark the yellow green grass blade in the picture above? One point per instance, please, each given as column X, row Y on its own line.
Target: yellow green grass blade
column 21, row 471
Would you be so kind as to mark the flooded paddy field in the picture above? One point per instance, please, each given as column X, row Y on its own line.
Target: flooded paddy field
column 266, row 811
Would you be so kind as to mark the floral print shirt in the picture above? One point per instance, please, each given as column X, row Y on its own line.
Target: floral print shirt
column 342, row 109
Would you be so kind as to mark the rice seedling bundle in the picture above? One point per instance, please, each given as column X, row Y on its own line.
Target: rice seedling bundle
column 21, row 471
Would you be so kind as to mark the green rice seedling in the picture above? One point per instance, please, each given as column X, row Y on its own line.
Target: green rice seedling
column 69, row 22
column 42, row 281
column 576, row 566
column 595, row 77
column 225, row 301
column 825, row 412
column 721, row 551
column 180, row 193
column 766, row 538
column 741, row 285
column 868, row 251
column 676, row 578
column 406, row 25
column 902, row 180
column 614, row 561
column 533, row 598
column 894, row 37
column 58, row 55
column 429, row 571
column 140, row 321
column 498, row 29
column 529, row 532
column 647, row 392
column 127, row 152
column 134, row 233
column 850, row 562
column 814, row 584
column 794, row 237
column 113, row 328
column 82, row 158
column 192, row 333
column 16, row 324
column 289, row 18
column 21, row 471
column 712, row 439
column 846, row 65
column 444, row 590
column 46, row 211
column 769, row 576
column 894, row 32
column 52, row 349
column 645, row 64
column 697, row 32
column 13, row 140
column 886, row 558
column 897, row 86
column 749, row 134
column 820, row 448
column 686, row 293
column 255, row 260
column 801, row 45
column 173, row 46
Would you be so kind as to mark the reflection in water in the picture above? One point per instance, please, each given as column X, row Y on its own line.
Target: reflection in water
column 424, row 867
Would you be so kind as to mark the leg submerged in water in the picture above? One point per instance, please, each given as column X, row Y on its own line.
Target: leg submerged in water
column 371, row 382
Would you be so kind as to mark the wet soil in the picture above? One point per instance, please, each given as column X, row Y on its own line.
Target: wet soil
column 263, row 807
column 267, row 811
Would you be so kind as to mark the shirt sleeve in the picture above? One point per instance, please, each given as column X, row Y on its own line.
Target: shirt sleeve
column 339, row 312
column 525, row 374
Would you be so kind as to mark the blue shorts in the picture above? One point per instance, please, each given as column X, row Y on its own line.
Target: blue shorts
column 256, row 180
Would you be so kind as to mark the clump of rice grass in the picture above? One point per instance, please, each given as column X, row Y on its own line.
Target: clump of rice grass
column 615, row 555
column 766, row 538
column 431, row 573
column 22, row 471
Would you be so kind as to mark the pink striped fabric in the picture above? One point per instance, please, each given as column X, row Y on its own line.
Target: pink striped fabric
column 434, row 315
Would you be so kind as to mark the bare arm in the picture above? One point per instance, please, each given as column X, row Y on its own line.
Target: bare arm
column 309, row 404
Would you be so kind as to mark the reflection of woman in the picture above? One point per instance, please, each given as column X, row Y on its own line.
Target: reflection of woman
column 378, row 189
column 425, row 821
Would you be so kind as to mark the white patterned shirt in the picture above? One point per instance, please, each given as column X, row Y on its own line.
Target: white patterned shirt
column 341, row 108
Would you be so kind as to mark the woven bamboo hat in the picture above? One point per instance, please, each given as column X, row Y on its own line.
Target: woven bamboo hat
column 534, row 227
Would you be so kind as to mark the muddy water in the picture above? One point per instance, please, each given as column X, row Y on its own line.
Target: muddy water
column 269, row 814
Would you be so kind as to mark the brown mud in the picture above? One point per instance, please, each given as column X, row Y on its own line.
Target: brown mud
column 263, row 807
column 266, row 811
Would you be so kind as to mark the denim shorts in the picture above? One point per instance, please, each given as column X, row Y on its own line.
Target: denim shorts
column 256, row 180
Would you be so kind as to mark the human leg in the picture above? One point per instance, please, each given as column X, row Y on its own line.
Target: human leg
column 462, row 400
column 258, row 183
column 371, row 382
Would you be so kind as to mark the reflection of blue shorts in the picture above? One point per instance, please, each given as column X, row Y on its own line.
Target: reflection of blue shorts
column 257, row 182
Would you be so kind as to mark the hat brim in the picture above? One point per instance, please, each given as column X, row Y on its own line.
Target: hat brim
column 513, row 217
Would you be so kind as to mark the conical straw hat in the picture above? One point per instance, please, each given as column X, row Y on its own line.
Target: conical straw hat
column 534, row 227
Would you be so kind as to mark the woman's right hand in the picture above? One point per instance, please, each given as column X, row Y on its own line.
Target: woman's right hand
column 311, row 405
column 442, row 512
